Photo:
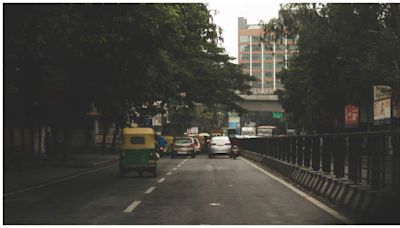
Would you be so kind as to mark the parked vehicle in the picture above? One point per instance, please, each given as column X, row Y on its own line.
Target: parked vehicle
column 197, row 146
column 138, row 151
column 267, row 130
column 248, row 132
column 183, row 146
column 219, row 145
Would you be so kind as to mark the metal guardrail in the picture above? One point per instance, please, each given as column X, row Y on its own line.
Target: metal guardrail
column 370, row 158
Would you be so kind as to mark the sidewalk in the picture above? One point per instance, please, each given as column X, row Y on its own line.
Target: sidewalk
column 49, row 171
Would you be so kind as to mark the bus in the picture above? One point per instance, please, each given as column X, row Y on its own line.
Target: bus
column 267, row 130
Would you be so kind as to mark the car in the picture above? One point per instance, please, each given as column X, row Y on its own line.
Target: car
column 183, row 146
column 197, row 146
column 220, row 145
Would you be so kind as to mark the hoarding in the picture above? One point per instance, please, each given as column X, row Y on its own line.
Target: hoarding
column 382, row 104
column 233, row 120
column 351, row 115
column 382, row 109
column 382, row 92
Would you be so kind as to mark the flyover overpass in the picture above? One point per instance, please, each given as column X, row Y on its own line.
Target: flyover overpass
column 261, row 103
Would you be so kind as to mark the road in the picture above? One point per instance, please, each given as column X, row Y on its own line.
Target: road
column 186, row 191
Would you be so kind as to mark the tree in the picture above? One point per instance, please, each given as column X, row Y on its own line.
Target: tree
column 344, row 49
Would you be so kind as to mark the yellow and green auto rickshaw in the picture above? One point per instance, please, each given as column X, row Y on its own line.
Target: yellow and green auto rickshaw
column 138, row 151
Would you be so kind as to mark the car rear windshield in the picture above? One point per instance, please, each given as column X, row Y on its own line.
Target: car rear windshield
column 220, row 140
column 183, row 141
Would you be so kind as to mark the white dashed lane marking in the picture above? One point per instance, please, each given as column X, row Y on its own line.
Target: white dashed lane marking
column 161, row 180
column 132, row 207
column 169, row 173
column 174, row 168
column 150, row 190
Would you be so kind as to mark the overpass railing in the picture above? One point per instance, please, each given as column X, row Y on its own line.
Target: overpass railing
column 370, row 158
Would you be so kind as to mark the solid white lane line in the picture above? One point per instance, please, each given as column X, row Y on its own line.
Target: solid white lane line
column 169, row 173
column 150, row 190
column 303, row 194
column 161, row 180
column 174, row 168
column 132, row 207
column 56, row 181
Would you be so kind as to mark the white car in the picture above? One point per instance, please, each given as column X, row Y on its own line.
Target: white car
column 220, row 145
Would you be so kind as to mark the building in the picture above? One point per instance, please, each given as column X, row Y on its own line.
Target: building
column 263, row 61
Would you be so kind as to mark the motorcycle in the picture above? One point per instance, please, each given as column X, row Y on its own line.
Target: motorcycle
column 235, row 152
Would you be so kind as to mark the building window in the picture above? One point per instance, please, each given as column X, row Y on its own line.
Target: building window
column 257, row 47
column 244, row 47
column 255, row 39
column 257, row 75
column 268, row 47
column 245, row 65
column 268, row 74
column 244, row 39
column 268, row 66
column 268, row 56
column 244, row 57
column 256, row 66
column 256, row 56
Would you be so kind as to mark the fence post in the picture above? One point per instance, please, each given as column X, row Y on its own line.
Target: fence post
column 307, row 152
column 326, row 154
column 339, row 156
column 396, row 162
column 374, row 146
column 287, row 148
column 294, row 149
column 354, row 154
column 300, row 150
column 316, row 153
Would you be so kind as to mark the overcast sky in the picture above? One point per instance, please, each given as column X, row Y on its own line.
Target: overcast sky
column 229, row 11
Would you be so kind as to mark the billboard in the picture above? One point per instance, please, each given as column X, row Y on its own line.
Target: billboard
column 233, row 120
column 382, row 92
column 351, row 115
column 382, row 103
column 382, row 109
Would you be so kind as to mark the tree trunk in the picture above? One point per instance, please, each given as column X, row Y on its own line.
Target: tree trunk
column 114, row 137
column 105, row 133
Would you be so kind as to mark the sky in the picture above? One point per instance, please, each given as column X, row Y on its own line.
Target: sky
column 228, row 13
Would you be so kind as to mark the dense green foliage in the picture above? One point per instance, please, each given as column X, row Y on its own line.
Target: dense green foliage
column 127, row 59
column 344, row 49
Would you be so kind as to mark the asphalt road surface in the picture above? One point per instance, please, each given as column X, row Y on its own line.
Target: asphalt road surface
column 186, row 191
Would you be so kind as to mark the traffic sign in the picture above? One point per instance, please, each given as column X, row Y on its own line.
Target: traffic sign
column 277, row 115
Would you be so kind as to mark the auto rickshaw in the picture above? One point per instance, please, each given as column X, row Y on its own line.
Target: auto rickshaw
column 138, row 152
